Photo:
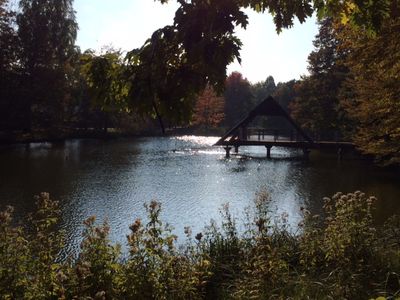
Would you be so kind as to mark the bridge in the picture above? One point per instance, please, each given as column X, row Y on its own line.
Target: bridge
column 244, row 135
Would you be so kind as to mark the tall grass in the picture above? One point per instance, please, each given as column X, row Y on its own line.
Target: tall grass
column 340, row 256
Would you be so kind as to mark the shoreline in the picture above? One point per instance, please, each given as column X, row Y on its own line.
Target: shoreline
column 60, row 135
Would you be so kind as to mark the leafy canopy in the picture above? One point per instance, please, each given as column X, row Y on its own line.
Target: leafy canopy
column 179, row 60
column 372, row 99
column 368, row 14
column 104, row 76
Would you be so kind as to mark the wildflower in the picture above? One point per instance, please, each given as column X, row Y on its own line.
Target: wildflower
column 154, row 205
column 61, row 277
column 5, row 216
column 187, row 230
column 260, row 224
column 45, row 196
column 135, row 226
column 100, row 295
column 89, row 221
column 199, row 236
column 206, row 263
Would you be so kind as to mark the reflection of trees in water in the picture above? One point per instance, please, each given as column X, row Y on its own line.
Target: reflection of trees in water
column 324, row 176
column 77, row 173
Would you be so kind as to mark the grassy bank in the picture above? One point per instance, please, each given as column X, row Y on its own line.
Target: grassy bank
column 340, row 256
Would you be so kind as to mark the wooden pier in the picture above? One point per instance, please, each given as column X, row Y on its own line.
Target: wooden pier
column 243, row 135
column 339, row 147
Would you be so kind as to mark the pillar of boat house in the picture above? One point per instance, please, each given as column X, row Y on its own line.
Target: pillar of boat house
column 268, row 151
column 227, row 151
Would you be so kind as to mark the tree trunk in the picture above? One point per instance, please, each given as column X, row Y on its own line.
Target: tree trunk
column 160, row 121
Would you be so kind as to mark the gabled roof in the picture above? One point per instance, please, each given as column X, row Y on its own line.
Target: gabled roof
column 270, row 108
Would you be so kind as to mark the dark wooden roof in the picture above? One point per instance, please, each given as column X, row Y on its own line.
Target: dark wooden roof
column 269, row 107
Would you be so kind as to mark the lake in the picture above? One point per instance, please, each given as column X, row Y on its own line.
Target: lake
column 112, row 179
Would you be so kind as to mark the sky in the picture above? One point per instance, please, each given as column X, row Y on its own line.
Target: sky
column 126, row 24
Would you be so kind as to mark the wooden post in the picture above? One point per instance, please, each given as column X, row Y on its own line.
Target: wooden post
column 268, row 151
column 236, row 149
column 228, row 151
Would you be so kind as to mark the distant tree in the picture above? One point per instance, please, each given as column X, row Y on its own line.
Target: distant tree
column 316, row 106
column 104, row 75
column 10, row 100
column 209, row 109
column 371, row 95
column 47, row 31
column 285, row 93
column 78, row 110
column 238, row 98
column 8, row 38
column 263, row 89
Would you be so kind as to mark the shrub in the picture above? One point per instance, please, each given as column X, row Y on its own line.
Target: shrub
column 29, row 267
column 342, row 255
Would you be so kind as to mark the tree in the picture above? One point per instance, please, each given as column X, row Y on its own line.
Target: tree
column 8, row 38
column 368, row 14
column 177, row 63
column 285, row 93
column 47, row 31
column 238, row 98
column 209, row 109
column 104, row 75
column 9, row 71
column 316, row 106
column 179, row 60
column 263, row 89
column 372, row 93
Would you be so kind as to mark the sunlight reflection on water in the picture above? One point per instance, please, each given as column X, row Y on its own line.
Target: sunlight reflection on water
column 201, row 140
column 191, row 178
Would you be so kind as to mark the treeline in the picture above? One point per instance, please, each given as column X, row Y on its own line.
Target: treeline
column 238, row 98
column 352, row 92
column 342, row 256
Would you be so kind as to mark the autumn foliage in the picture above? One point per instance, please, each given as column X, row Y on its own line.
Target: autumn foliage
column 209, row 109
column 371, row 96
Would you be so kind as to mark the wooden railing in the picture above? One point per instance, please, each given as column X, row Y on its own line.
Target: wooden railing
column 261, row 134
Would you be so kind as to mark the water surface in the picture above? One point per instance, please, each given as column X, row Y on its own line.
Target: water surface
column 113, row 179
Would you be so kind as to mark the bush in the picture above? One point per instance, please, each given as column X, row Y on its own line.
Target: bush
column 342, row 255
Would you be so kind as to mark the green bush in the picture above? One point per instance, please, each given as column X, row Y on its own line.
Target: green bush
column 341, row 255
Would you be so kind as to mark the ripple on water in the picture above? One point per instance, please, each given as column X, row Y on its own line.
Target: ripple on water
column 192, row 179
